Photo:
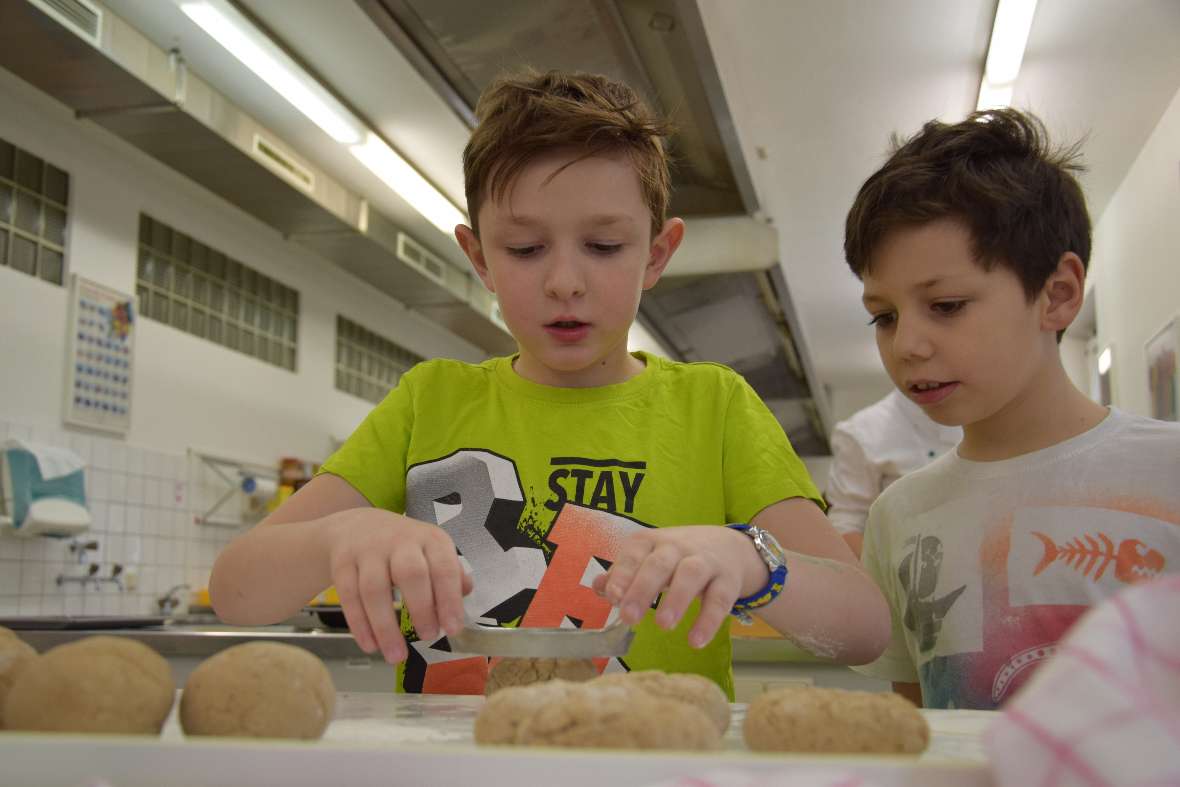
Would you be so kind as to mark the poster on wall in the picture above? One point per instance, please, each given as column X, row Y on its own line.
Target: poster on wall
column 1163, row 374
column 99, row 356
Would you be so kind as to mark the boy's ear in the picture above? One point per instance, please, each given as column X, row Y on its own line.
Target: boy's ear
column 663, row 246
column 471, row 246
column 1063, row 293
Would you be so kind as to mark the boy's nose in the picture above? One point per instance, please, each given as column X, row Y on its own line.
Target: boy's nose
column 564, row 278
column 911, row 340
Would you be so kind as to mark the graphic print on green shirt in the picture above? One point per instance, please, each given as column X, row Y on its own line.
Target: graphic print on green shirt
column 538, row 486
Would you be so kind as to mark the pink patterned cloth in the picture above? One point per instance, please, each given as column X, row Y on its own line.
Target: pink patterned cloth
column 738, row 778
column 1105, row 711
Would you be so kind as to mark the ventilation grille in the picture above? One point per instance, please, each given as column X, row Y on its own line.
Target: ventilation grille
column 283, row 165
column 413, row 254
column 78, row 15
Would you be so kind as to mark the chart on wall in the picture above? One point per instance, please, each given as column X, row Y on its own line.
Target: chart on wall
column 99, row 356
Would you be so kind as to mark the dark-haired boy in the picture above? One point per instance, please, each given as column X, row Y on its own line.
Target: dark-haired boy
column 972, row 243
column 574, row 478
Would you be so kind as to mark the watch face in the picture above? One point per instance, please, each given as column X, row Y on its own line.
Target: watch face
column 768, row 545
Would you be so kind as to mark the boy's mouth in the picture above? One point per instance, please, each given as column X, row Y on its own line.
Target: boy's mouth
column 567, row 330
column 928, row 392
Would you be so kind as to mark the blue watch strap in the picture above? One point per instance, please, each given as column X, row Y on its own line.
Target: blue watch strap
column 774, row 586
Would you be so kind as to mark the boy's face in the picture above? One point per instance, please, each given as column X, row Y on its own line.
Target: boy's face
column 568, row 257
column 962, row 342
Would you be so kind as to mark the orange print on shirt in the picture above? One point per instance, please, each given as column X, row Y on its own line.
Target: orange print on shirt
column 1133, row 561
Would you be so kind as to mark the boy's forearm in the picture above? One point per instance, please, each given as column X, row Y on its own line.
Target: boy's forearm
column 269, row 573
column 832, row 609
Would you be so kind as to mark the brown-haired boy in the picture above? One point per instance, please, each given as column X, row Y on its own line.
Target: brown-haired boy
column 972, row 243
column 570, row 476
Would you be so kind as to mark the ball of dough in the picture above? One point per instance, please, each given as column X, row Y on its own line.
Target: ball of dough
column 683, row 687
column 525, row 672
column 501, row 716
column 96, row 684
column 807, row 719
column 615, row 717
column 259, row 690
column 15, row 655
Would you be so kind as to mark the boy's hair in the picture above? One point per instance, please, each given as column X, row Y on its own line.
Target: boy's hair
column 994, row 172
column 522, row 116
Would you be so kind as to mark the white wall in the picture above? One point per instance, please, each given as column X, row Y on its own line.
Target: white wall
column 187, row 391
column 1136, row 259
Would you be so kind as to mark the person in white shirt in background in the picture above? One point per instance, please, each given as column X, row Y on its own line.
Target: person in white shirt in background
column 873, row 448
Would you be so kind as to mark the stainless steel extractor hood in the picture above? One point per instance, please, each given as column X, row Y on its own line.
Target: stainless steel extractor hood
column 723, row 297
column 107, row 72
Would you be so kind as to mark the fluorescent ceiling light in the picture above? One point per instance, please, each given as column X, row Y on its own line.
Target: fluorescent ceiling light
column 259, row 54
column 1005, row 52
column 1104, row 360
column 638, row 338
column 992, row 97
column 396, row 173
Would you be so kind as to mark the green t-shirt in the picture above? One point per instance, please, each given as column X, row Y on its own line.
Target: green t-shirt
column 538, row 485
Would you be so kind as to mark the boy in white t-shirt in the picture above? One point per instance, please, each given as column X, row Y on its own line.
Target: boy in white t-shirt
column 873, row 448
column 972, row 243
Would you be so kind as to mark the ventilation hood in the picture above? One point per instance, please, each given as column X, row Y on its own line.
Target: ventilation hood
column 723, row 297
column 107, row 72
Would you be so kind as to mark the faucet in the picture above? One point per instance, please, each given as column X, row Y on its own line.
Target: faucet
column 170, row 601
column 80, row 547
column 91, row 577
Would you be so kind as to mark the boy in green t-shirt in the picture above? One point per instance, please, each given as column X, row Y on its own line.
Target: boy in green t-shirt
column 574, row 478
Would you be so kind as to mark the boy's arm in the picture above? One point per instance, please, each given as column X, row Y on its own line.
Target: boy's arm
column 325, row 534
column 829, row 606
column 834, row 610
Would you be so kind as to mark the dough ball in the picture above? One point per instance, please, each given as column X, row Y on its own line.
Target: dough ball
column 15, row 655
column 96, row 684
column 501, row 716
column 259, row 690
column 617, row 717
column 807, row 719
column 525, row 672
column 683, row 687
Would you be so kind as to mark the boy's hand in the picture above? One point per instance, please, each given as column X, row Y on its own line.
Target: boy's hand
column 370, row 552
column 717, row 564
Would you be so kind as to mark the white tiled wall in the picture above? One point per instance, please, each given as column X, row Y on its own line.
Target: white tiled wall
column 142, row 515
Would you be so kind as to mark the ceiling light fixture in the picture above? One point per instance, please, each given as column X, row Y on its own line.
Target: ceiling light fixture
column 226, row 25
column 1104, row 361
column 274, row 67
column 395, row 172
column 1005, row 52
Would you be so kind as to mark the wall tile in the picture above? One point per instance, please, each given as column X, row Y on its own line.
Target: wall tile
column 138, row 501
column 9, row 577
column 136, row 494
column 135, row 461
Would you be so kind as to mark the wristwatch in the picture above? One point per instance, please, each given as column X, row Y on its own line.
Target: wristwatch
column 772, row 552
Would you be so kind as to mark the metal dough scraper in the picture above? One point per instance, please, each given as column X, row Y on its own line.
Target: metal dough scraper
column 544, row 642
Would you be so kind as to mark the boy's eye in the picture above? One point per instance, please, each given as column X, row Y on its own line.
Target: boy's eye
column 523, row 251
column 604, row 248
column 882, row 320
column 948, row 307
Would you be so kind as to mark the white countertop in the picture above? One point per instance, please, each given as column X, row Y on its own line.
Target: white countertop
column 394, row 739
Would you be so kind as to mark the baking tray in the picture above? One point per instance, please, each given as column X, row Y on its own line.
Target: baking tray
column 80, row 622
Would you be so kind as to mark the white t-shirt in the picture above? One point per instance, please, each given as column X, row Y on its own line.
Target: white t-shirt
column 874, row 448
column 985, row 565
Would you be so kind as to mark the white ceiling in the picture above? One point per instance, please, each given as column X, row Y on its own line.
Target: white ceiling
column 820, row 86
column 815, row 87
